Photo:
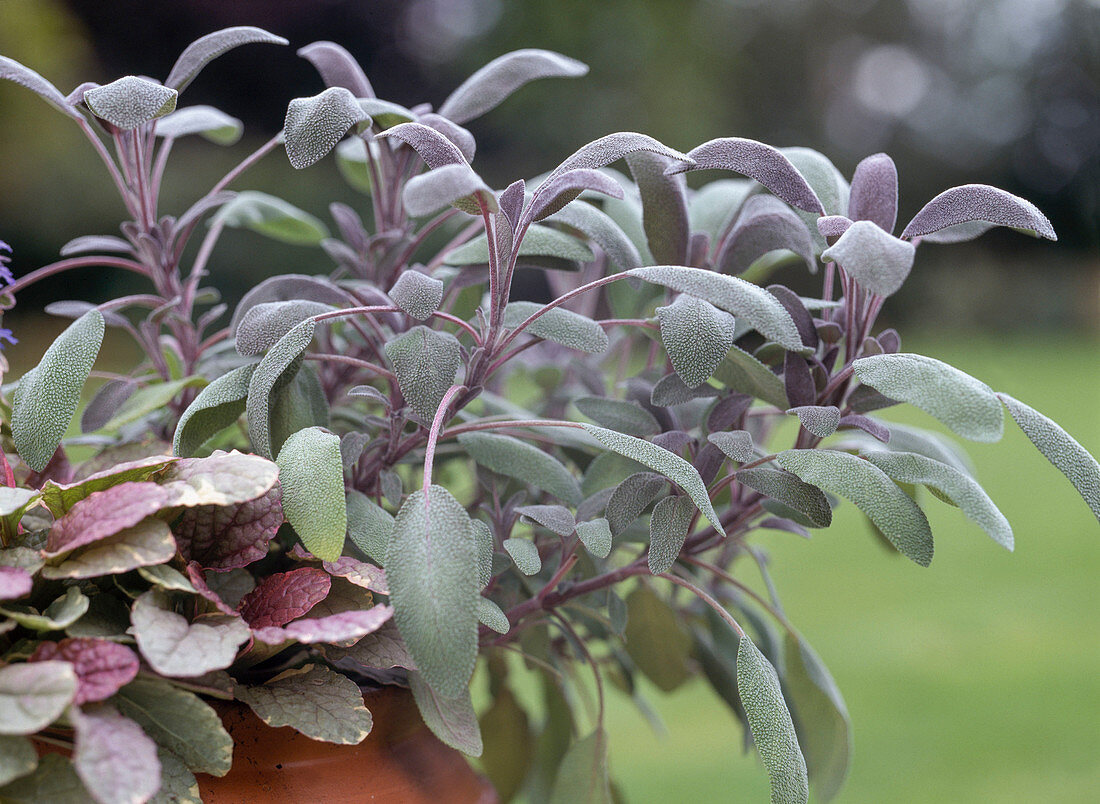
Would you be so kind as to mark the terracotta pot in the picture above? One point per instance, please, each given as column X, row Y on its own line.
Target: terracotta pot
column 400, row 761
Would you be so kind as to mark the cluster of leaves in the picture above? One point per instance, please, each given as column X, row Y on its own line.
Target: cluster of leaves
column 572, row 481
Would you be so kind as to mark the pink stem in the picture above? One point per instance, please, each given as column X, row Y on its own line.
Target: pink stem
column 433, row 435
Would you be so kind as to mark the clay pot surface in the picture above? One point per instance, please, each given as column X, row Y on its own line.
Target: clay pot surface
column 400, row 761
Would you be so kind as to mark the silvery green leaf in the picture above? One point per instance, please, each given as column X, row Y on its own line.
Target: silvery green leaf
column 617, row 414
column 558, row 325
column 352, row 162
column 525, row 555
column 34, row 694
column 130, row 101
column 498, row 79
column 165, row 577
column 213, row 124
column 313, row 700
column 668, row 528
column 737, row 445
column 766, row 224
column 207, row 48
column 426, row 363
column 490, row 615
column 877, row 260
column 1060, row 448
column 823, row 177
column 872, row 491
column 114, row 758
column 771, row 725
column 821, row 420
column 26, row 77
column 664, row 206
column 750, row 303
column 451, row 718
column 595, row 535
column 337, row 67
column 630, row 499
column 979, row 202
column 17, row 758
column 448, row 185
column 272, row 217
column 312, row 478
column 743, row 373
column 175, row 647
column 417, row 294
column 611, row 147
column 713, row 206
column 264, row 324
column 484, row 538
column 757, row 161
column 966, row 405
column 177, row 783
column 820, row 717
column 434, row 148
column 385, row 114
column 216, row 407
column 697, row 337
column 660, row 460
column 555, row 193
column 90, row 243
column 460, row 136
column 271, row 375
column 314, row 125
column 431, row 566
column 290, row 287
column 582, row 775
column 958, row 233
column 788, row 489
column 874, row 195
column 540, row 241
column 555, row 518
column 54, row 780
column 369, row 525
column 959, row 488
column 602, row 230
column 670, row 390
column 299, row 404
column 45, row 401
column 527, row 463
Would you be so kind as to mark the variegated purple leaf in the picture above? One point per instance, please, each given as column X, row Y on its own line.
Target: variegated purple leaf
column 337, row 67
column 766, row 224
column 866, row 424
column 874, row 193
column 382, row 649
column 359, row 573
column 114, row 757
column 611, row 147
column 285, row 596
column 102, row 667
column 105, row 513
column 222, row 478
column 228, row 537
column 833, row 225
column 979, row 202
column 460, row 136
column 207, row 48
column 175, row 647
column 757, row 161
column 498, row 79
column 197, row 577
column 335, row 628
column 664, row 207
column 554, row 193
column 511, row 201
column 14, row 583
column 435, row 149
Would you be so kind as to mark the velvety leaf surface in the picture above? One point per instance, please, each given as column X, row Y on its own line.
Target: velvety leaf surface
column 226, row 537
column 872, row 491
column 979, row 202
column 17, row 758
column 582, row 775
column 539, row 241
column 877, row 260
column 668, row 528
column 381, row 649
column 266, row 323
column 107, row 399
column 222, row 478
column 369, row 525
column 742, row 372
column 558, row 325
column 432, row 146
column 788, row 489
column 758, row 161
column 102, row 667
column 664, row 206
column 207, row 48
column 54, row 780
column 737, row 445
column 525, row 462
column 602, row 230
column 595, row 535
column 821, row 420
column 312, row 479
column 833, row 225
column 765, row 225
column 431, row 565
column 217, row 406
column 417, row 294
column 1060, row 448
column 966, row 405
column 525, row 555
column 655, row 639
column 630, row 498
column 272, row 217
column 33, row 695
column 113, row 757
column 748, row 302
column 555, row 518
column 697, row 337
column 213, row 124
column 430, row 192
column 337, row 67
column 130, row 101
column 314, row 125
column 451, row 718
column 43, row 404
column 874, row 195
column 771, row 725
column 289, row 287
column 611, row 147
column 554, row 194
column 426, row 363
column 285, row 596
column 177, row 783
column 617, row 414
column 175, row 647
column 490, row 615
column 313, row 700
column 274, row 371
column 12, row 70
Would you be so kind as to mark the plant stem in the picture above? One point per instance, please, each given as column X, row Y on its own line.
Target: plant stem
column 719, row 609
column 437, row 426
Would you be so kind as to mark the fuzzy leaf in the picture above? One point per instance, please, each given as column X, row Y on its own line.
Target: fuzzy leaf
column 207, row 48
column 540, row 241
column 820, row 420
column 290, row 287
column 381, row 649
column 664, row 206
column 527, row 463
column 369, row 526
column 554, row 518
column 966, row 405
column 130, row 101
column 272, row 217
column 313, row 700
column 558, row 325
column 43, row 404
column 525, row 555
column 26, row 77
column 630, row 498
column 1060, row 448
column 431, row 565
column 337, row 67
column 314, row 125
column 417, row 294
column 750, row 303
column 602, row 230
column 742, row 372
column 697, row 337
column 833, row 225
column 271, row 375
column 426, row 363
column 490, row 615
column 113, row 757
column 17, row 758
column 737, row 445
column 872, row 491
column 788, row 489
column 174, row 647
column 765, row 225
column 979, row 202
column 758, row 161
column 611, row 147
column 616, row 414
column 874, row 194
column 771, row 725
column 451, row 718
column 102, row 667
column 668, row 528
column 213, row 124
column 595, row 536
column 217, row 406
column 961, row 489
column 582, row 775
column 447, row 185
column 223, row 478
column 33, row 695
column 655, row 639
column 555, row 193
column 877, row 260
column 432, row 146
column 312, row 478
column 266, row 323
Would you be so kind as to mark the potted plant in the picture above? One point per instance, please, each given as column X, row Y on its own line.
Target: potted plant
column 572, row 482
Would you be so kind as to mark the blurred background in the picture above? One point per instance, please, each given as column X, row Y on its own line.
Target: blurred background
column 975, row 680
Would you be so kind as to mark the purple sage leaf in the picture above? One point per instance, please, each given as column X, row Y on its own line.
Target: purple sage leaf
column 113, row 756
column 314, row 125
column 554, row 193
column 207, row 48
column 337, row 67
column 766, row 224
column 664, row 206
column 434, row 148
column 102, row 667
column 979, row 202
column 876, row 260
column 874, row 193
column 833, row 225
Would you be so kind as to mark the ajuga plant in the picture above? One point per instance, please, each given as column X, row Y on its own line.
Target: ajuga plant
column 555, row 414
